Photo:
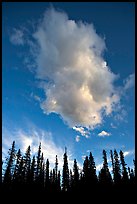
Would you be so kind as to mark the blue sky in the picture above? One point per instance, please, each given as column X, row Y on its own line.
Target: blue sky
column 68, row 78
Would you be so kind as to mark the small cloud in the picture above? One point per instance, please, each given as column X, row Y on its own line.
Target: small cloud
column 129, row 82
column 128, row 153
column 82, row 131
column 17, row 37
column 77, row 138
column 104, row 133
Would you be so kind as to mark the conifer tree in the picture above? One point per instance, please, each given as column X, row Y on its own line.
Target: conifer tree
column 32, row 171
column 75, row 176
column 27, row 163
column 124, row 169
column 65, row 176
column 47, row 180
column 18, row 160
column 117, row 170
column 104, row 175
column 38, row 161
column 10, row 165
column 92, row 170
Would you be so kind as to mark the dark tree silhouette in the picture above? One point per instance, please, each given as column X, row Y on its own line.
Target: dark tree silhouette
column 124, row 169
column 27, row 162
column 10, row 165
column 23, row 173
column 17, row 166
column 47, row 181
column 104, row 174
column 75, row 178
column 92, row 171
column 65, row 176
column 117, row 170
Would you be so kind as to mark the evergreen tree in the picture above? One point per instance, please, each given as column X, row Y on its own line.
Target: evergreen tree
column 17, row 166
column 58, row 182
column 65, row 176
column 112, row 160
column 75, row 176
column 86, row 170
column 42, row 168
column 47, row 180
column 92, row 170
column 27, row 163
column 104, row 175
column 32, row 171
column 10, row 165
column 117, row 170
column 56, row 168
column 124, row 169
column 38, row 162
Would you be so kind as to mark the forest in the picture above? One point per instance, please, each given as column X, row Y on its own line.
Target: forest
column 24, row 172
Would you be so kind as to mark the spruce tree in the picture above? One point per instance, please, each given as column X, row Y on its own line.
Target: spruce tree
column 10, row 165
column 104, row 175
column 65, row 176
column 47, row 179
column 27, row 163
column 92, row 170
column 17, row 165
column 75, row 175
column 124, row 169
column 117, row 170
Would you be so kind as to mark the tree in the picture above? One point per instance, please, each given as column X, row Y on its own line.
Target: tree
column 65, row 176
column 92, row 170
column 10, row 165
column 58, row 182
column 38, row 161
column 104, row 175
column 41, row 174
column 112, row 160
column 17, row 166
column 75, row 182
column 32, row 171
column 56, row 168
column 27, row 163
column 124, row 169
column 117, row 170
column 47, row 180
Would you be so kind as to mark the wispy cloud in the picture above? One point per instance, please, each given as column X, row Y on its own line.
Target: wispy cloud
column 17, row 37
column 33, row 138
column 129, row 82
column 104, row 133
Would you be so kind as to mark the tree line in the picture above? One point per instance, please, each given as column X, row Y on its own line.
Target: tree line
column 23, row 172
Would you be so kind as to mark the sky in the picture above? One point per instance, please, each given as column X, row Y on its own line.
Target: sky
column 68, row 75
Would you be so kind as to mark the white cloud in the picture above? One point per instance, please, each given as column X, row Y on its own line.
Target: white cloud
column 129, row 153
column 129, row 82
column 17, row 37
column 77, row 138
column 82, row 131
column 103, row 133
column 69, row 56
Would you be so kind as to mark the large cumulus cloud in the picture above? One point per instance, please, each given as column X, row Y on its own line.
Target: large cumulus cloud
column 78, row 83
